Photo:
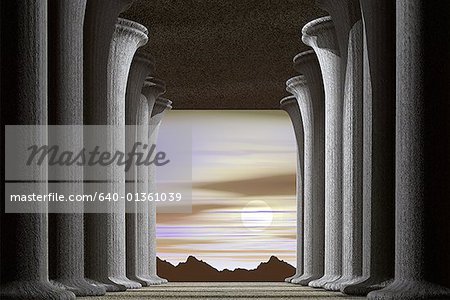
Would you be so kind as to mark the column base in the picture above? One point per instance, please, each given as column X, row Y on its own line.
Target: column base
column 305, row 279
column 79, row 286
column 159, row 279
column 344, row 280
column 123, row 280
column 147, row 280
column 108, row 285
column 289, row 279
column 33, row 290
column 332, row 285
column 321, row 282
column 411, row 290
column 365, row 286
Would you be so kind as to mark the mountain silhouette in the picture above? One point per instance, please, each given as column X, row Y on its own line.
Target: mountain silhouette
column 197, row 270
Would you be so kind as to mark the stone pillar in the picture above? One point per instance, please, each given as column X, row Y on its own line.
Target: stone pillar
column 106, row 232
column 321, row 36
column 162, row 105
column 153, row 89
column 137, row 114
column 291, row 106
column 307, row 64
column 379, row 146
column 66, row 230
column 346, row 14
column 24, row 237
column 421, row 108
column 353, row 163
column 99, row 23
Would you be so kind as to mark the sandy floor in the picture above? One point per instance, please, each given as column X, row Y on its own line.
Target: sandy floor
column 225, row 290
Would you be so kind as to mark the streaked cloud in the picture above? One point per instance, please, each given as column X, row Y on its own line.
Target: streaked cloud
column 239, row 157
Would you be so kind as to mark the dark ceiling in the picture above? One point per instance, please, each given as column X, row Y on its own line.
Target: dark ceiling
column 224, row 54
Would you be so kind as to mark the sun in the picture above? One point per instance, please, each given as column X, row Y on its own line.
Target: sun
column 257, row 215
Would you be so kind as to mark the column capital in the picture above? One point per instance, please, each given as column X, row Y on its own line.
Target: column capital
column 146, row 59
column 141, row 66
column 287, row 102
column 345, row 13
column 153, row 88
column 161, row 105
column 298, row 86
column 321, row 33
column 132, row 30
column 304, row 59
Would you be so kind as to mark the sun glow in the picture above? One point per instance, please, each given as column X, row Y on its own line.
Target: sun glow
column 257, row 215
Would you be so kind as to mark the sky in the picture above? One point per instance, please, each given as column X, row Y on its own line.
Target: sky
column 243, row 190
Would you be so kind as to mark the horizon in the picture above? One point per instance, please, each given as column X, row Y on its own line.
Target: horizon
column 262, row 262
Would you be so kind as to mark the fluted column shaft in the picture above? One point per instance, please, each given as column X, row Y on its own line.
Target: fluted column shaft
column 153, row 89
column 160, row 108
column 421, row 117
column 137, row 114
column 99, row 24
column 66, row 230
column 307, row 64
column 345, row 15
column 379, row 146
column 107, row 231
column 298, row 87
column 353, row 162
column 291, row 106
column 320, row 35
column 24, row 237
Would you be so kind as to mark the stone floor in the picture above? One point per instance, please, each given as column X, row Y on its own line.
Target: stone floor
column 225, row 290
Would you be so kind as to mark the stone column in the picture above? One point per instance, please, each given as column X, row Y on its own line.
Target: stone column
column 99, row 23
column 162, row 105
column 379, row 146
column 106, row 232
column 307, row 64
column 321, row 36
column 421, row 108
column 291, row 106
column 346, row 14
column 153, row 88
column 66, row 230
column 353, row 163
column 24, row 237
column 137, row 114
column 298, row 87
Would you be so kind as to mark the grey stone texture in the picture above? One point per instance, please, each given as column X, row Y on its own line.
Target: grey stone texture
column 320, row 34
column 353, row 162
column 153, row 89
column 107, row 242
column 345, row 14
column 24, row 237
column 99, row 25
column 298, row 87
column 137, row 113
column 291, row 106
column 65, row 74
column 160, row 108
column 378, row 146
column 420, row 110
column 307, row 64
